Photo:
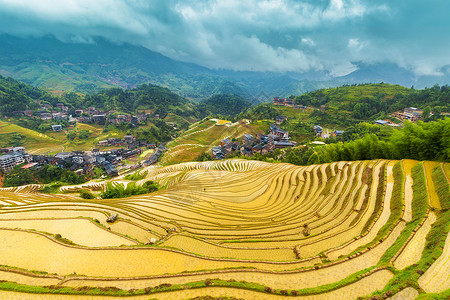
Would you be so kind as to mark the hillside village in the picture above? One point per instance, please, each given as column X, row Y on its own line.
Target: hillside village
column 80, row 162
column 60, row 112
column 250, row 145
column 278, row 138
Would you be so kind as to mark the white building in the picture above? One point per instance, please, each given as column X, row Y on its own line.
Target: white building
column 9, row 161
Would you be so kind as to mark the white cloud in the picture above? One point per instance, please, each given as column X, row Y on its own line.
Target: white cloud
column 308, row 42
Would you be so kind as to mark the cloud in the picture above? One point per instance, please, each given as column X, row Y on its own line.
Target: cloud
column 267, row 35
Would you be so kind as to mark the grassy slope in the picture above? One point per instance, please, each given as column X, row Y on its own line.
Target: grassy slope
column 34, row 141
column 51, row 142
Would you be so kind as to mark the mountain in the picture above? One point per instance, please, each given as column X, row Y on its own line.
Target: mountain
column 50, row 63
column 89, row 67
column 81, row 67
column 393, row 74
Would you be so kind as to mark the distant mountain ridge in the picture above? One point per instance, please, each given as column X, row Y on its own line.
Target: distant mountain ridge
column 50, row 63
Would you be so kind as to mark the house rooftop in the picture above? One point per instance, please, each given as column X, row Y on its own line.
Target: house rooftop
column 381, row 122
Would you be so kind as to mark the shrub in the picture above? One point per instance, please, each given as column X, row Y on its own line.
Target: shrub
column 52, row 187
column 119, row 191
column 208, row 282
column 151, row 186
column 136, row 176
column 86, row 195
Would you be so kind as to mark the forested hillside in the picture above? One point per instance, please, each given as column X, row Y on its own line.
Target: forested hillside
column 367, row 100
column 15, row 95
column 224, row 104
column 18, row 96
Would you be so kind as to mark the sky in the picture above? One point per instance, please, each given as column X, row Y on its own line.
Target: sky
column 330, row 36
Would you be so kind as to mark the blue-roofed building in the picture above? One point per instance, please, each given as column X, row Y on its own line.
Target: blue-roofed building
column 381, row 122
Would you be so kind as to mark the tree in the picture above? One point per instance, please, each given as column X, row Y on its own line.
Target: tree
column 71, row 135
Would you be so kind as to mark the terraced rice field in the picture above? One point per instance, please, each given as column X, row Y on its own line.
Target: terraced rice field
column 202, row 136
column 240, row 228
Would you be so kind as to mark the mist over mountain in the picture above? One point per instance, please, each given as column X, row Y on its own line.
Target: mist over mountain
column 87, row 67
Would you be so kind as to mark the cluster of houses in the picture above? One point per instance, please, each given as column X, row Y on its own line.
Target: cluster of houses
column 318, row 130
column 283, row 101
column 78, row 161
column 129, row 141
column 46, row 112
column 276, row 139
column 60, row 112
column 411, row 114
column 286, row 102
column 99, row 117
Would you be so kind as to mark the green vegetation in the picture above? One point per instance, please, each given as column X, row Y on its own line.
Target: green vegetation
column 373, row 101
column 224, row 105
column 264, row 111
column 435, row 240
column 119, row 190
column 45, row 174
column 52, row 188
column 15, row 96
column 420, row 195
column 15, row 135
column 86, row 195
column 166, row 287
column 136, row 176
column 145, row 97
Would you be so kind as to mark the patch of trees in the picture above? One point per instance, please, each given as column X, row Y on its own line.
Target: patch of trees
column 224, row 105
column 120, row 191
column 17, row 96
column 159, row 133
column 82, row 134
column 264, row 111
